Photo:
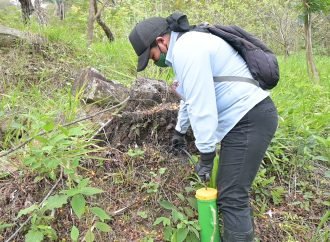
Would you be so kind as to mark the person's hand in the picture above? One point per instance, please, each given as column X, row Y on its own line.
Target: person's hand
column 205, row 166
column 178, row 141
column 174, row 86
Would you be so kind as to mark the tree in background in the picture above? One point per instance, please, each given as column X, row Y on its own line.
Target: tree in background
column 95, row 15
column 309, row 7
column 279, row 25
column 60, row 9
column 27, row 10
column 40, row 12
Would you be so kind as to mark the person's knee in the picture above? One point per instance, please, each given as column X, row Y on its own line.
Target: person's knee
column 235, row 209
column 236, row 197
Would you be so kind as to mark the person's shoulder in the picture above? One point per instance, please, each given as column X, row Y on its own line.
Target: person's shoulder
column 198, row 40
column 192, row 40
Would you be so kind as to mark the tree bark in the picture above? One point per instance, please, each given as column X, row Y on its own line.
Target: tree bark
column 27, row 10
column 311, row 67
column 105, row 28
column 60, row 9
column 41, row 14
column 90, row 25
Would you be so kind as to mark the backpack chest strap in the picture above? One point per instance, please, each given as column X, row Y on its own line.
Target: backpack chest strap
column 235, row 79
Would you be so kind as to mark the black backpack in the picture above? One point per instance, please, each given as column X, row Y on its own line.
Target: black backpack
column 260, row 60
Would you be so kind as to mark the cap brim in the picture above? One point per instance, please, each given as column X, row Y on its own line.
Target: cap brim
column 143, row 60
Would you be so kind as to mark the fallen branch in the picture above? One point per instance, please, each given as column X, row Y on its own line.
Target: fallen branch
column 42, row 202
column 100, row 129
column 65, row 125
column 120, row 211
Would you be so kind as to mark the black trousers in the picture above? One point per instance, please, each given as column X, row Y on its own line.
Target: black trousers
column 241, row 153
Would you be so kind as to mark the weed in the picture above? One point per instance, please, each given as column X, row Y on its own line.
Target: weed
column 154, row 184
column 135, row 153
column 42, row 215
column 182, row 224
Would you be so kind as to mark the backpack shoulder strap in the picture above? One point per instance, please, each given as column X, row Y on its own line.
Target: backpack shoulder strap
column 238, row 31
column 198, row 28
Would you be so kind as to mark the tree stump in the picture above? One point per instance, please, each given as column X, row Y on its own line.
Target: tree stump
column 95, row 88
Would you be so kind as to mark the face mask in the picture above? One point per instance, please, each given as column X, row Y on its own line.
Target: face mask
column 161, row 61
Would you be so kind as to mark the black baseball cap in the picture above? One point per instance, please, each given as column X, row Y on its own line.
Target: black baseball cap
column 143, row 35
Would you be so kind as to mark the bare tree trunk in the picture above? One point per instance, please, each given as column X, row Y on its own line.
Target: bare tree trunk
column 90, row 25
column 311, row 67
column 60, row 9
column 27, row 10
column 105, row 28
column 41, row 14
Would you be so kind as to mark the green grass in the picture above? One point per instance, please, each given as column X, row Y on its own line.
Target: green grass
column 31, row 103
column 304, row 106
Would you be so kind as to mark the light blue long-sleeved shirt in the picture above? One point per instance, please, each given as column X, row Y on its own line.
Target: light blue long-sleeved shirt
column 211, row 108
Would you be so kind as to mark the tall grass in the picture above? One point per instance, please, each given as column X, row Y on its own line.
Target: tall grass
column 304, row 107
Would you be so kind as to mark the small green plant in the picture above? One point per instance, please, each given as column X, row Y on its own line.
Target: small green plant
column 277, row 195
column 63, row 148
column 42, row 215
column 41, row 218
column 143, row 214
column 323, row 231
column 135, row 153
column 260, row 184
column 153, row 185
column 181, row 224
column 3, row 226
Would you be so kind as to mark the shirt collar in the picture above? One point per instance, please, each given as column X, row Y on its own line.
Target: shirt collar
column 169, row 54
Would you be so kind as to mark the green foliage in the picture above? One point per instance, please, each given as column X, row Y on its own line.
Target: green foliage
column 154, row 184
column 41, row 220
column 3, row 226
column 260, row 186
column 78, row 204
column 142, row 214
column 277, row 195
column 135, row 153
column 89, row 237
column 181, row 224
column 64, row 148
column 300, row 144
column 36, row 103
column 322, row 226
column 74, row 234
column 303, row 114
column 103, row 227
column 34, row 236
column 100, row 213
column 316, row 5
